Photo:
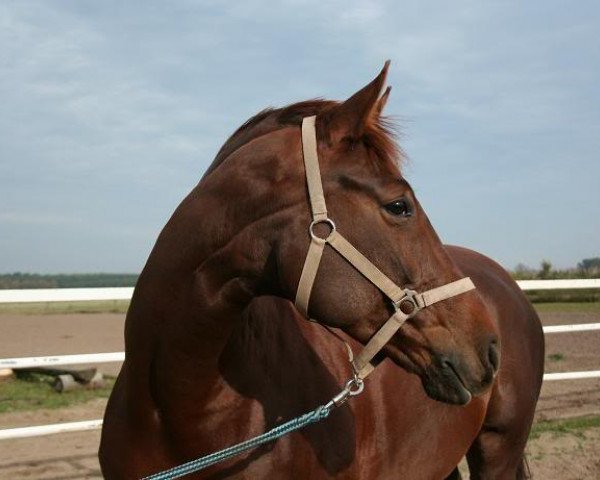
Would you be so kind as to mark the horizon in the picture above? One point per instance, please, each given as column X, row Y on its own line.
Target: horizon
column 513, row 269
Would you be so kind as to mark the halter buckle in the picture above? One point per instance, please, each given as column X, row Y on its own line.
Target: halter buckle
column 408, row 303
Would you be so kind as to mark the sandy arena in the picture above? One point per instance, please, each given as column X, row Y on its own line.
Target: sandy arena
column 564, row 456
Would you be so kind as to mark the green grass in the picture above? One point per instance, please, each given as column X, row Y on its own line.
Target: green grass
column 34, row 391
column 556, row 357
column 568, row 307
column 578, row 295
column 46, row 308
column 573, row 426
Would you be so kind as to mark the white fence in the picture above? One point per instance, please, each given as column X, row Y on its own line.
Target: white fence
column 65, row 294
column 125, row 293
column 54, row 361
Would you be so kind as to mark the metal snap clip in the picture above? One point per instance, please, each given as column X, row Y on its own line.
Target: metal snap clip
column 355, row 386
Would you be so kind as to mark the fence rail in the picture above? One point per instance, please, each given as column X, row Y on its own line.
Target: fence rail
column 32, row 295
column 89, row 358
column 563, row 284
column 40, row 430
column 56, row 360
column 125, row 293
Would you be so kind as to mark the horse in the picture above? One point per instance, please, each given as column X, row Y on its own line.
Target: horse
column 217, row 352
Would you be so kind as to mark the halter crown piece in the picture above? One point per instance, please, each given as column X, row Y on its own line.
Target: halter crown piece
column 407, row 303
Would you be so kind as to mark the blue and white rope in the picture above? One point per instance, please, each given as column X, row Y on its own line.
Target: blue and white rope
column 201, row 463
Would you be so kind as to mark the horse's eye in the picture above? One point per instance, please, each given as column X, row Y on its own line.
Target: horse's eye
column 399, row 208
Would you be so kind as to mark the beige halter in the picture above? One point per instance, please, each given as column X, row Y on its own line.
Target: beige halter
column 406, row 302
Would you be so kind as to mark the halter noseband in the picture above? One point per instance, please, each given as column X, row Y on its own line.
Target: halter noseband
column 406, row 302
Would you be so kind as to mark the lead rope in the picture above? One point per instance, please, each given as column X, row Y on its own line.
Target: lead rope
column 353, row 387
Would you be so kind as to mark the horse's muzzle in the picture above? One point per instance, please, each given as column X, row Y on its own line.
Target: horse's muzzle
column 451, row 378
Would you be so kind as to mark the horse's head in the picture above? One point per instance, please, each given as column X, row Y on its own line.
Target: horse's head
column 452, row 345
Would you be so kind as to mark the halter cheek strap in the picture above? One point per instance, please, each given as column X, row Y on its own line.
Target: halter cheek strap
column 406, row 302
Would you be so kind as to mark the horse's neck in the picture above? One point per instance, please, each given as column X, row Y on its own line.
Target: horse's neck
column 189, row 298
column 207, row 352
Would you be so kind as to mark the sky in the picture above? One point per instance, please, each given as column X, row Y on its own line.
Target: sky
column 111, row 111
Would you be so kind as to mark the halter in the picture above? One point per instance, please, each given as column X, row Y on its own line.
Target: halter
column 407, row 303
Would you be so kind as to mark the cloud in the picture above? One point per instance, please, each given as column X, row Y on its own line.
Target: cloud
column 111, row 111
column 35, row 219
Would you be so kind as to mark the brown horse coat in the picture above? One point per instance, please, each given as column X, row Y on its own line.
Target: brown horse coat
column 216, row 353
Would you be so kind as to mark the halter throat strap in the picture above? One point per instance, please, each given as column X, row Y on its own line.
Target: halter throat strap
column 407, row 303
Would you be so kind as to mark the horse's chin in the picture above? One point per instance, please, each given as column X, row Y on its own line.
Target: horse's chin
column 446, row 388
column 441, row 384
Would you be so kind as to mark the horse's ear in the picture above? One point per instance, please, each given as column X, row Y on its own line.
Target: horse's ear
column 382, row 101
column 350, row 117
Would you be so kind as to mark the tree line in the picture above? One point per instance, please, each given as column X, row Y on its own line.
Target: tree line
column 75, row 280
column 587, row 268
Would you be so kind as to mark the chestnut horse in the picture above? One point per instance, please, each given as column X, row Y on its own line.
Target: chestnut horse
column 216, row 352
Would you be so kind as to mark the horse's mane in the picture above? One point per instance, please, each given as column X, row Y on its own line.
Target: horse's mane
column 377, row 136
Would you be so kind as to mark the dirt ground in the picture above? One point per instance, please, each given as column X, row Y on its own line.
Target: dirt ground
column 554, row 455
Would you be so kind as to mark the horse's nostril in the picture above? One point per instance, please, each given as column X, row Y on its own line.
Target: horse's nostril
column 493, row 355
column 447, row 364
column 445, row 361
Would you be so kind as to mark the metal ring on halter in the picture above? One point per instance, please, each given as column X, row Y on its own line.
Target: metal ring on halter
column 314, row 236
column 355, row 386
column 408, row 303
